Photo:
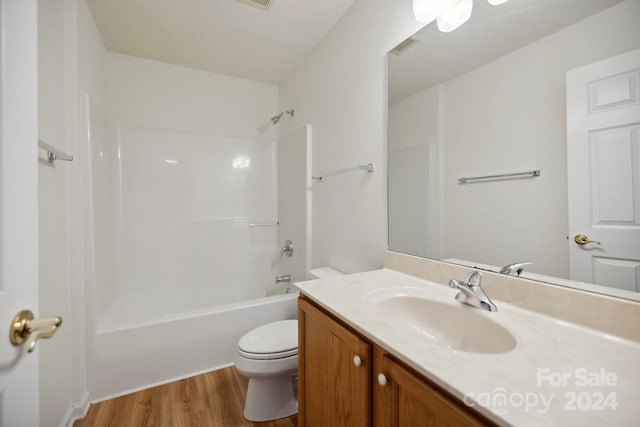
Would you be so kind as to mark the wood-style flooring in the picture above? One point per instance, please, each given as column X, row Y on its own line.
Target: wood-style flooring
column 214, row 399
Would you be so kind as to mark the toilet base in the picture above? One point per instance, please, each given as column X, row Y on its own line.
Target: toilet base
column 270, row 398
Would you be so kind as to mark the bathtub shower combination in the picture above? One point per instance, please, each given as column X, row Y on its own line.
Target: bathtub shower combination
column 183, row 248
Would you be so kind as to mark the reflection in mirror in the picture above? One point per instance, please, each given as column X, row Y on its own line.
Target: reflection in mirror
column 549, row 85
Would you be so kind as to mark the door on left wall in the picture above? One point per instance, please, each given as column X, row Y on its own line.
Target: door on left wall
column 19, row 376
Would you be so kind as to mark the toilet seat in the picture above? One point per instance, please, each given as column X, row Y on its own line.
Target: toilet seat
column 275, row 340
column 268, row 356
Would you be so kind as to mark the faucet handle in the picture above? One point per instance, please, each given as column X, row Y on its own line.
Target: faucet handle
column 471, row 293
column 473, row 278
column 456, row 284
column 287, row 249
column 515, row 269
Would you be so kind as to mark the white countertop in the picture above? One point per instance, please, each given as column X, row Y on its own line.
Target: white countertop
column 512, row 388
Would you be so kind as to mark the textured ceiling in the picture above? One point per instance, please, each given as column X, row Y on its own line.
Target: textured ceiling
column 222, row 36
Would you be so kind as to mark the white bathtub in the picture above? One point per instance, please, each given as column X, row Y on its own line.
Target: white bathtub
column 134, row 357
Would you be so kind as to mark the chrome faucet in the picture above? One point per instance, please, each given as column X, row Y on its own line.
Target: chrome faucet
column 287, row 249
column 515, row 269
column 471, row 292
column 283, row 279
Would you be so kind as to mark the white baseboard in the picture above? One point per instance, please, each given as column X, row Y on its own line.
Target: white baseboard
column 77, row 411
column 170, row 380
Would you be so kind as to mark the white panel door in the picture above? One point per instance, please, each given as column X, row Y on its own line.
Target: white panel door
column 19, row 393
column 603, row 162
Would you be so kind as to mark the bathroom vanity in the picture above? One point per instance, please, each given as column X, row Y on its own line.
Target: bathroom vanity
column 385, row 348
column 347, row 380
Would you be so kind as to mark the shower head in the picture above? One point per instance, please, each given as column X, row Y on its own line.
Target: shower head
column 275, row 119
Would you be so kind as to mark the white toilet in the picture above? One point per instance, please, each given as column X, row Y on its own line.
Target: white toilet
column 268, row 356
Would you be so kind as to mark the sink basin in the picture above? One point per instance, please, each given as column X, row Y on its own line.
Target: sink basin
column 454, row 326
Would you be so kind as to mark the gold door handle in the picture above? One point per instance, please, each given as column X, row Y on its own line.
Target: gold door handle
column 582, row 240
column 25, row 328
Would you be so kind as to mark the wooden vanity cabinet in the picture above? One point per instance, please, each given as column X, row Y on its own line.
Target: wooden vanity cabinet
column 402, row 399
column 340, row 383
column 334, row 366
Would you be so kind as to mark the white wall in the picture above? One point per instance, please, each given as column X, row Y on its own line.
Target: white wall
column 71, row 61
column 91, row 78
column 341, row 89
column 92, row 58
column 512, row 112
column 155, row 95
column 54, row 354
column 54, row 274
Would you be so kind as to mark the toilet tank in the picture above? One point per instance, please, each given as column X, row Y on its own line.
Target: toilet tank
column 324, row 272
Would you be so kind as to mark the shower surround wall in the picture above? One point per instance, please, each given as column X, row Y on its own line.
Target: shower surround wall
column 190, row 275
column 180, row 165
column 183, row 204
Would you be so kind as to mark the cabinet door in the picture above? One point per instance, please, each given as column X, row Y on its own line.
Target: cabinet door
column 335, row 389
column 408, row 401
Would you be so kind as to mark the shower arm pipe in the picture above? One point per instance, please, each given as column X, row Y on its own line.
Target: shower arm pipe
column 275, row 119
column 369, row 167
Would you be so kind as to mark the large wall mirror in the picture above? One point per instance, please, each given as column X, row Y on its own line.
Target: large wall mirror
column 526, row 86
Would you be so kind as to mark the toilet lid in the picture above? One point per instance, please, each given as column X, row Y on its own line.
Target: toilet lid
column 277, row 337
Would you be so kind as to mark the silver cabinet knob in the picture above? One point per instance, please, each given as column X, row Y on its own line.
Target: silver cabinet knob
column 357, row 361
column 382, row 380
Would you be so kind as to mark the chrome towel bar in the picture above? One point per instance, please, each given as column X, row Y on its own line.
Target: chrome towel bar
column 263, row 224
column 533, row 173
column 53, row 153
column 369, row 167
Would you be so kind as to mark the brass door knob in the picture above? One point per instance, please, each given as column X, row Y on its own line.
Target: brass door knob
column 582, row 240
column 25, row 328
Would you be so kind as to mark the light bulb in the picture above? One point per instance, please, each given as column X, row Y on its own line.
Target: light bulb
column 496, row 2
column 426, row 11
column 456, row 16
column 241, row 162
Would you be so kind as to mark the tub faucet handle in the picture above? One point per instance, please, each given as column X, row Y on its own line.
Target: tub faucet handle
column 287, row 249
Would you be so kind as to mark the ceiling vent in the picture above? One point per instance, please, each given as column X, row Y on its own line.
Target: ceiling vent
column 262, row 4
column 403, row 46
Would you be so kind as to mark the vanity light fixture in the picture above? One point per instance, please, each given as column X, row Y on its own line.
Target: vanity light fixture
column 456, row 16
column 241, row 162
column 451, row 19
column 263, row 4
column 423, row 10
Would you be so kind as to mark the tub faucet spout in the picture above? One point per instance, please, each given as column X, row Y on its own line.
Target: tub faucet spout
column 283, row 279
